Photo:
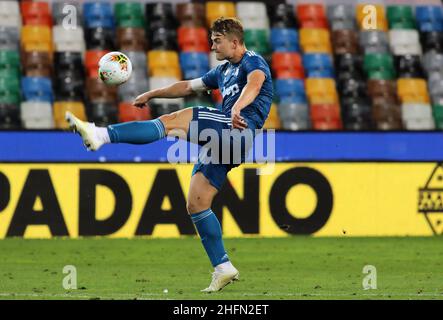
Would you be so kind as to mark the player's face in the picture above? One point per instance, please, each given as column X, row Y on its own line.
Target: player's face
column 223, row 47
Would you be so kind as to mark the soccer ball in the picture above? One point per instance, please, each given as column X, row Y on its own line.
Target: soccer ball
column 114, row 68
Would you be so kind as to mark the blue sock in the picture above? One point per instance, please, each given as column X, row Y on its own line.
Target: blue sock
column 211, row 235
column 137, row 132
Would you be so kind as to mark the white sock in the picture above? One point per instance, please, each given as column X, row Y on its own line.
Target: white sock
column 225, row 266
column 102, row 134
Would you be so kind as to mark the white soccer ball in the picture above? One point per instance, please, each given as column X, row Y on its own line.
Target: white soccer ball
column 114, row 68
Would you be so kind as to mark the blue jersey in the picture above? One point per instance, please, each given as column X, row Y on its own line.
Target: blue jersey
column 231, row 78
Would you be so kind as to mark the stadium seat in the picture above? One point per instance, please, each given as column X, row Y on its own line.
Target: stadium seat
column 37, row 89
column 102, row 113
column 10, row 15
column 99, row 38
column 129, row 15
column 9, row 59
column 290, row 91
column 159, row 11
column 436, row 92
column 381, row 23
column 69, row 84
column 352, row 87
column 432, row 41
column 72, row 38
column 387, row 114
column 9, row 38
column 162, row 59
column 341, row 17
column 294, row 116
column 131, row 39
column 281, row 15
column 139, row 61
column 137, row 84
column 417, row 116
column 36, row 36
column 37, row 115
column 92, row 58
column 68, row 61
column 163, row 39
column 382, row 88
column 98, row 15
column 217, row 9
column 194, row 64
column 98, row 91
column 353, row 108
column 411, row 90
column 127, row 112
column 321, row 91
column 284, row 39
column 374, row 41
column 193, row 39
column 318, row 65
column 191, row 14
column 315, row 40
column 37, row 64
column 10, row 8
column 429, row 18
column 311, row 15
column 345, row 41
column 400, row 17
column 349, row 63
column 273, row 120
column 60, row 108
column 379, row 66
column 252, row 14
column 437, row 112
column 257, row 40
column 325, row 116
column 9, row 82
column 9, row 115
column 287, row 65
column 403, row 42
column 409, row 66
column 36, row 13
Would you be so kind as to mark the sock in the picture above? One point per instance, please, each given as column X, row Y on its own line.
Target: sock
column 210, row 233
column 137, row 132
column 102, row 134
column 225, row 266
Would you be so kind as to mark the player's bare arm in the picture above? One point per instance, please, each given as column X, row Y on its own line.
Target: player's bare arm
column 247, row 96
column 176, row 90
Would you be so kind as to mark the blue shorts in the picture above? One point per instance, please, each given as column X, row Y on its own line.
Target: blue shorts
column 210, row 118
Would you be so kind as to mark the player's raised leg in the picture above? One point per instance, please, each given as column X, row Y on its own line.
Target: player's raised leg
column 201, row 194
column 135, row 132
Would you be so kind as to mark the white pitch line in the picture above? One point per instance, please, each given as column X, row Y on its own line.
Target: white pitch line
column 165, row 296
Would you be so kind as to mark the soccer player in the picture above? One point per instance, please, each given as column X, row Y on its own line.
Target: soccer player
column 246, row 85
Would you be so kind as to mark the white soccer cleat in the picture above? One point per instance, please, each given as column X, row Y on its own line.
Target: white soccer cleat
column 86, row 130
column 221, row 280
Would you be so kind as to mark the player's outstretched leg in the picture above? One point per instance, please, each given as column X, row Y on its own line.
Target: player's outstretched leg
column 135, row 132
column 201, row 193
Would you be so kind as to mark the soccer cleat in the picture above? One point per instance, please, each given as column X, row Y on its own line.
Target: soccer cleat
column 221, row 280
column 86, row 130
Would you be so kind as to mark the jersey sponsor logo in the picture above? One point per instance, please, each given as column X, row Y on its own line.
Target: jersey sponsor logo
column 231, row 90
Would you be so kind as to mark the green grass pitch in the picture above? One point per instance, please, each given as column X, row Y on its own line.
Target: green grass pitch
column 270, row 268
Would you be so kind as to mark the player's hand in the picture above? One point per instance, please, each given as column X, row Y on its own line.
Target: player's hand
column 238, row 122
column 142, row 100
